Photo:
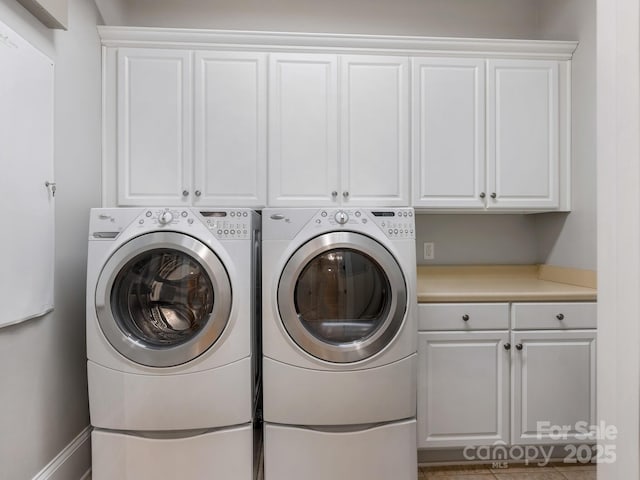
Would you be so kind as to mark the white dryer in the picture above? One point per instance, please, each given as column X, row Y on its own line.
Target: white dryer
column 339, row 343
column 172, row 301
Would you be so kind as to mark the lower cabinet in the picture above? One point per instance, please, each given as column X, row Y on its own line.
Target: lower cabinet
column 463, row 388
column 517, row 385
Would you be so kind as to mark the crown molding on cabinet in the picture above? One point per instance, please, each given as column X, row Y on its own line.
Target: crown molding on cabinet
column 343, row 43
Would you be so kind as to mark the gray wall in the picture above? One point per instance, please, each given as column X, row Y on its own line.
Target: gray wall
column 570, row 240
column 477, row 239
column 466, row 18
column 43, row 392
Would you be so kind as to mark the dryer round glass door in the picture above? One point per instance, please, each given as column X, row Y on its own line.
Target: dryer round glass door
column 342, row 297
column 163, row 299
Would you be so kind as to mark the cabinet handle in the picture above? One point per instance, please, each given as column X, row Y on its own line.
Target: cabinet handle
column 345, row 194
column 198, row 193
column 493, row 195
column 560, row 316
column 482, row 194
column 507, row 346
column 185, row 193
column 465, row 317
column 334, row 194
column 519, row 346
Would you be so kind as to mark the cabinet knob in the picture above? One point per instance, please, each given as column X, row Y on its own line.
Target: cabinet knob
column 185, row 193
column 560, row 316
column 493, row 195
column 345, row 194
column 334, row 194
column 519, row 346
column 507, row 346
column 198, row 193
column 482, row 194
column 465, row 317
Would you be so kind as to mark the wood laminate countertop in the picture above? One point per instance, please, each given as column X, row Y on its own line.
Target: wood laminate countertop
column 505, row 283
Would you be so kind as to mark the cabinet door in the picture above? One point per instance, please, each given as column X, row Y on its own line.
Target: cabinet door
column 154, row 127
column 448, row 112
column 522, row 134
column 463, row 388
column 374, row 133
column 230, row 129
column 303, row 128
column 553, row 385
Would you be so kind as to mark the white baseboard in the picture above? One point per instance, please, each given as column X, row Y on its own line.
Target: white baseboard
column 74, row 461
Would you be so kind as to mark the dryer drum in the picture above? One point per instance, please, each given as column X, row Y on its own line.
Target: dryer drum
column 342, row 297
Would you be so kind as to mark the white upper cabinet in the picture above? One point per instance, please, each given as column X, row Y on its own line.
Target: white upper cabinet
column 230, row 129
column 303, row 136
column 190, row 127
column 374, row 130
column 522, row 134
column 154, row 104
column 254, row 119
column 490, row 134
column 315, row 98
column 448, row 132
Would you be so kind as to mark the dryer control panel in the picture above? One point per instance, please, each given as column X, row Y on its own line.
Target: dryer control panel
column 394, row 222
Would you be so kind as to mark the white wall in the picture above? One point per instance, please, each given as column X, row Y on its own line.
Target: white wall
column 618, row 149
column 570, row 240
column 43, row 392
column 469, row 18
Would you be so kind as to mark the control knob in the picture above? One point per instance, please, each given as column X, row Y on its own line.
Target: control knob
column 341, row 217
column 165, row 217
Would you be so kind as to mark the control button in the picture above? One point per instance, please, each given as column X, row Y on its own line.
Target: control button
column 357, row 214
column 184, row 213
column 323, row 214
column 141, row 222
column 226, row 232
column 190, row 221
column 219, row 232
column 148, row 214
column 318, row 221
column 244, row 214
column 233, row 232
column 165, row 217
column 395, row 231
column 341, row 217
column 390, row 231
column 233, row 214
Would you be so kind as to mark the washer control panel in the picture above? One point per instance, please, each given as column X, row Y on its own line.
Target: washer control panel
column 224, row 224
column 394, row 222
column 228, row 224
column 165, row 217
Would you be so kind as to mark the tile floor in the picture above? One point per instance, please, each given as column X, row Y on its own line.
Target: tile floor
column 513, row 472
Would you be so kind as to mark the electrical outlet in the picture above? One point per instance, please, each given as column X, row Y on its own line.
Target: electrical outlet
column 429, row 251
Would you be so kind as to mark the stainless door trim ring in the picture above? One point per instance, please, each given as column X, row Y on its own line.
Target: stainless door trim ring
column 347, row 352
column 164, row 356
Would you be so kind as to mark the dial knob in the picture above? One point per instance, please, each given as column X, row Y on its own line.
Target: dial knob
column 341, row 217
column 165, row 217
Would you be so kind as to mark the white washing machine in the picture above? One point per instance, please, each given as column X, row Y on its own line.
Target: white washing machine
column 172, row 302
column 339, row 343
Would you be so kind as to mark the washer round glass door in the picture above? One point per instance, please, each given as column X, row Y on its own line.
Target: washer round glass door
column 163, row 299
column 342, row 297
